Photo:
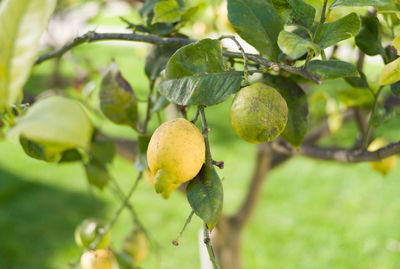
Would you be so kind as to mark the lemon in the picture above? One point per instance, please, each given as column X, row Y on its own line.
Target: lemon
column 258, row 113
column 97, row 259
column 87, row 232
column 383, row 166
column 175, row 154
column 136, row 245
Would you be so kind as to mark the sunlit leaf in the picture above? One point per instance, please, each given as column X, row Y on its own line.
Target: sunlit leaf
column 295, row 46
column 295, row 12
column 360, row 3
column 22, row 23
column 167, row 11
column 390, row 73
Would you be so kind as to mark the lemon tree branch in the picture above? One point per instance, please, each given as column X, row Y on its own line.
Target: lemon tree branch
column 92, row 36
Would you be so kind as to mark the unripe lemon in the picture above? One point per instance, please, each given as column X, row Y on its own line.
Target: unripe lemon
column 383, row 166
column 87, row 232
column 175, row 154
column 136, row 245
column 97, row 259
column 258, row 113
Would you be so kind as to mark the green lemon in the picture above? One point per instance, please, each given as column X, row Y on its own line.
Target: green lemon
column 88, row 230
column 258, row 113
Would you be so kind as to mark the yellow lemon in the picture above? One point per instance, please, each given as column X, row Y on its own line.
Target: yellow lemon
column 136, row 245
column 175, row 154
column 383, row 166
column 97, row 259
column 258, row 113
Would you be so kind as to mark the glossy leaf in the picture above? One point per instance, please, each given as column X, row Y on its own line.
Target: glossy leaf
column 296, row 100
column 336, row 31
column 295, row 12
column 22, row 23
column 257, row 22
column 332, row 69
column 204, row 56
column 56, row 122
column 167, row 11
column 358, row 82
column 97, row 174
column 295, row 46
column 360, row 3
column 117, row 99
column 390, row 73
column 369, row 37
column 203, row 89
column 157, row 60
column 160, row 103
column 141, row 159
column 205, row 196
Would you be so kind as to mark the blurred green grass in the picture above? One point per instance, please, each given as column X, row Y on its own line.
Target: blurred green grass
column 312, row 214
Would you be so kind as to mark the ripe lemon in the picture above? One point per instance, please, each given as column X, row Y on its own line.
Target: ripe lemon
column 175, row 154
column 87, row 232
column 383, row 166
column 97, row 259
column 136, row 245
column 258, row 113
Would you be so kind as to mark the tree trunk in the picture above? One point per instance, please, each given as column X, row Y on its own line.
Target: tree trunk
column 226, row 240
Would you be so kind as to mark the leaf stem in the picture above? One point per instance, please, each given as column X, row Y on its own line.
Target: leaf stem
column 175, row 242
column 244, row 55
column 206, row 129
column 367, row 135
column 207, row 241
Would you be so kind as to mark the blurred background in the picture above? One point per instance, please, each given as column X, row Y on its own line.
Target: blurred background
column 313, row 214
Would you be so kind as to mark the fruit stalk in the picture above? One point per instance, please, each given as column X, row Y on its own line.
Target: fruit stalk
column 205, row 135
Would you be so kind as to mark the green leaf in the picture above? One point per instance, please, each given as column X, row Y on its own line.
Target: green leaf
column 203, row 89
column 205, row 196
column 336, row 31
column 356, row 97
column 295, row 12
column 71, row 155
column 103, row 150
column 157, row 60
column 38, row 151
column 141, row 159
column 22, row 23
column 360, row 3
column 390, row 73
column 295, row 46
column 204, row 56
column 124, row 260
column 369, row 37
column 257, row 22
column 148, row 7
column 358, row 82
column 189, row 13
column 332, row 69
column 167, row 11
column 97, row 174
column 117, row 99
column 56, row 122
column 296, row 100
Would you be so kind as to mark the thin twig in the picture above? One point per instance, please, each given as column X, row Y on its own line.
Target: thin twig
column 175, row 242
column 245, row 58
column 207, row 241
column 92, row 36
column 205, row 135
column 371, row 117
column 102, row 232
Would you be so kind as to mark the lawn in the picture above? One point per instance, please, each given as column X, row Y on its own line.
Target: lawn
column 313, row 214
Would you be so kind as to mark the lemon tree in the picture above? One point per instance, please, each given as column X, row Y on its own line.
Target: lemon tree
column 293, row 91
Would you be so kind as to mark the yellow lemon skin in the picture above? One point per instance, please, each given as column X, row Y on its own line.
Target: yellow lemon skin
column 258, row 113
column 97, row 259
column 383, row 166
column 136, row 245
column 175, row 154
